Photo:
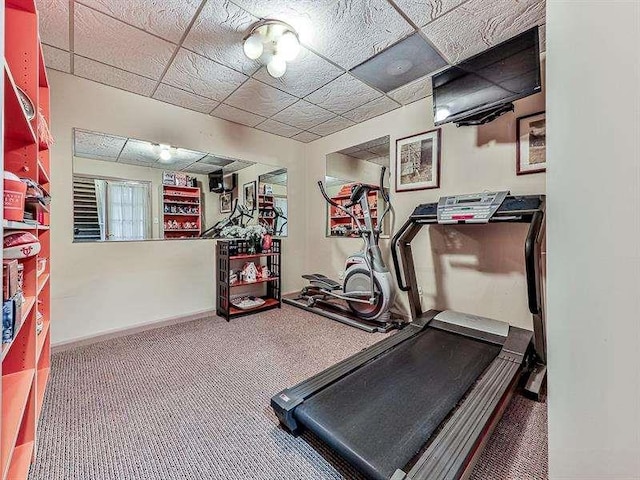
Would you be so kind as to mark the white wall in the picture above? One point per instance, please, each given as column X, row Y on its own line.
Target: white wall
column 470, row 269
column 594, row 239
column 97, row 288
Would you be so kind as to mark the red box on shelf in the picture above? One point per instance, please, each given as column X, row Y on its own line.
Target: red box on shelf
column 14, row 195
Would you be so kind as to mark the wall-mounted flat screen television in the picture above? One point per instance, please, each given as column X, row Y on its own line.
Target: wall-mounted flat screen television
column 482, row 87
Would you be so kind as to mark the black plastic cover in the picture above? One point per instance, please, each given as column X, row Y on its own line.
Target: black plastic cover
column 381, row 415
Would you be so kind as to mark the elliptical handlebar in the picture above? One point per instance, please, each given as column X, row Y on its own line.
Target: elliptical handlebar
column 344, row 208
column 385, row 196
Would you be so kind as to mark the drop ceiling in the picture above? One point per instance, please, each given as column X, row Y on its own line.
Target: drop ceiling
column 189, row 53
column 113, row 148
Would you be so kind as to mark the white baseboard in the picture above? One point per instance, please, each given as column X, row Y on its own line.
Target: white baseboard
column 125, row 331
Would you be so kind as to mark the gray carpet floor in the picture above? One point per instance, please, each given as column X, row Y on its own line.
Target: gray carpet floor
column 191, row 401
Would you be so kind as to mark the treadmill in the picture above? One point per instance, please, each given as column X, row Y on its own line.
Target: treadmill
column 422, row 403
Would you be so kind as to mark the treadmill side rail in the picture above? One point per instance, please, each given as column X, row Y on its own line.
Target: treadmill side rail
column 285, row 402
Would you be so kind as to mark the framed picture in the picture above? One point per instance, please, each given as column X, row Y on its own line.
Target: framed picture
column 418, row 161
column 531, row 154
column 168, row 178
column 225, row 202
column 250, row 195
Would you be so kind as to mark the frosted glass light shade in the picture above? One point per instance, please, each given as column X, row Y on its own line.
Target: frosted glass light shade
column 253, row 47
column 288, row 46
column 276, row 66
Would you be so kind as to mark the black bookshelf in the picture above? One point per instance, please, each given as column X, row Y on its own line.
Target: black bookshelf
column 231, row 255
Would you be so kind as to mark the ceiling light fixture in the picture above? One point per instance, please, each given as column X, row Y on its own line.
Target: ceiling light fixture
column 276, row 42
column 164, row 152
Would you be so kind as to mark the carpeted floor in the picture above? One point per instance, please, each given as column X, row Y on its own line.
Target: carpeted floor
column 191, row 401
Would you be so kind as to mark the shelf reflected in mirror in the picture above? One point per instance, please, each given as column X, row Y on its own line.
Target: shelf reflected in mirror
column 345, row 168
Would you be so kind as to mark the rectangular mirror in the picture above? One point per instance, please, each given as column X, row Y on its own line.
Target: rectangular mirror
column 272, row 201
column 358, row 164
column 126, row 189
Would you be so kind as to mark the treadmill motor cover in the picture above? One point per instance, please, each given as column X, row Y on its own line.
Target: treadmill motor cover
column 420, row 380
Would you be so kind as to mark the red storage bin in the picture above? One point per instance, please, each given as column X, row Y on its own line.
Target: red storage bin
column 14, row 194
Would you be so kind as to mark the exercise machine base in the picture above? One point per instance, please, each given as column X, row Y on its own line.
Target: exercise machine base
column 335, row 312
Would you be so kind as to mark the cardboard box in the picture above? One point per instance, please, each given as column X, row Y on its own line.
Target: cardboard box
column 9, row 279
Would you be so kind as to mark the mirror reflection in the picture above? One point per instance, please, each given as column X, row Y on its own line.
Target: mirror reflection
column 130, row 189
column 359, row 164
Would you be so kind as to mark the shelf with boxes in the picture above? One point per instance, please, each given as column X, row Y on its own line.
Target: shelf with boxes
column 181, row 206
column 26, row 267
column 248, row 282
column 341, row 224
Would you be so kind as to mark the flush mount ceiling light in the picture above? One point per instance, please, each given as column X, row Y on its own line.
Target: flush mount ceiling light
column 275, row 42
column 165, row 152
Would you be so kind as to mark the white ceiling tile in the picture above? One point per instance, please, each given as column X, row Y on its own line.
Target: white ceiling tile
column 237, row 165
column 422, row 12
column 167, row 19
column 218, row 32
column 278, row 128
column 306, row 137
column 202, row 168
column 216, row 160
column 99, row 146
column 301, row 14
column 349, row 32
column 184, row 155
column 54, row 22
column 303, row 114
column 175, row 96
column 331, row 126
column 138, row 151
column 343, row 94
column 372, row 109
column 260, row 98
column 110, row 41
column 297, row 80
column 236, row 115
column 56, row 58
column 99, row 72
column 413, row 91
column 479, row 24
column 202, row 76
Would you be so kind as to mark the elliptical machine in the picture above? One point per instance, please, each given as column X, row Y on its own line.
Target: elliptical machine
column 366, row 295
column 239, row 215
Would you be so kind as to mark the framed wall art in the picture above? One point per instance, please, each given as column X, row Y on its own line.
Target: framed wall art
column 418, row 161
column 225, row 202
column 249, row 190
column 531, row 143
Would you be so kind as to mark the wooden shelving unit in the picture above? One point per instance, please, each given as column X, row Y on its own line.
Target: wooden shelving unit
column 339, row 219
column 232, row 255
column 181, row 205
column 266, row 211
column 26, row 359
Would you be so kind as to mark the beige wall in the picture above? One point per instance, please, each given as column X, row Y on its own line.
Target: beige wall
column 477, row 270
column 594, row 239
column 97, row 288
column 351, row 169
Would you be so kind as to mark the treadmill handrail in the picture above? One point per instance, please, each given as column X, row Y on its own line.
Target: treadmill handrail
column 405, row 271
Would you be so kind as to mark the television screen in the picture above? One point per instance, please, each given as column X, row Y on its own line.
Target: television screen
column 216, row 183
column 489, row 80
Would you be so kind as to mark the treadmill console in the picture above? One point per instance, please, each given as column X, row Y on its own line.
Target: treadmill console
column 470, row 208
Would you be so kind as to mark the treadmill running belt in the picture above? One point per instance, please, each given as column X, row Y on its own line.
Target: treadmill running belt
column 380, row 416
